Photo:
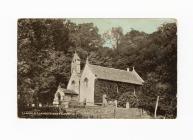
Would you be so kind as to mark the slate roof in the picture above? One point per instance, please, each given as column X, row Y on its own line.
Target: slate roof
column 112, row 74
column 67, row 91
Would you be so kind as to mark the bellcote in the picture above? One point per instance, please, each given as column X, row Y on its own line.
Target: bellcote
column 75, row 64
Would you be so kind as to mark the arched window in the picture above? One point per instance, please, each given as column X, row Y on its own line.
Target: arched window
column 59, row 98
column 73, row 84
column 86, row 82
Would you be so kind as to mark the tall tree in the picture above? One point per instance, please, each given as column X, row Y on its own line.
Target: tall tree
column 112, row 38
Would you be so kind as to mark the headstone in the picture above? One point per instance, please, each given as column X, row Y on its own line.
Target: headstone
column 115, row 102
column 33, row 105
column 40, row 105
column 110, row 102
column 104, row 100
column 127, row 105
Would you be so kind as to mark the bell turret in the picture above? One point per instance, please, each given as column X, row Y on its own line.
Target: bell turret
column 75, row 64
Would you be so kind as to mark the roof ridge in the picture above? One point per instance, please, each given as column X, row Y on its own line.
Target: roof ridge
column 114, row 74
column 110, row 68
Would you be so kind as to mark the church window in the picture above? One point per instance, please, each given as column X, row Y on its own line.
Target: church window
column 59, row 97
column 86, row 82
column 73, row 84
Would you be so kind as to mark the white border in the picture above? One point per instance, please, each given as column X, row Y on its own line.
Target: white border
column 13, row 128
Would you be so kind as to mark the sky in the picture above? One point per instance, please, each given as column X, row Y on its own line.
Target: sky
column 147, row 25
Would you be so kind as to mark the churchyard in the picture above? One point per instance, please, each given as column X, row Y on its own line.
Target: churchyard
column 79, row 112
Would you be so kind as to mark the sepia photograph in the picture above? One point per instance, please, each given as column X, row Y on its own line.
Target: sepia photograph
column 97, row 68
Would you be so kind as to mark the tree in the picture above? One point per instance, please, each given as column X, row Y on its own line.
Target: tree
column 117, row 34
column 45, row 49
column 37, row 39
column 113, row 38
column 86, row 36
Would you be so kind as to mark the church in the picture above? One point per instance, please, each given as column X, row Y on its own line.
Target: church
column 89, row 85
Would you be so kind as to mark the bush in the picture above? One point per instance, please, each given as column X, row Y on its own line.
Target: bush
column 128, row 97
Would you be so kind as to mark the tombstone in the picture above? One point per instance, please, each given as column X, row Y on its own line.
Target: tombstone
column 110, row 102
column 104, row 100
column 33, row 105
column 115, row 103
column 127, row 105
column 40, row 105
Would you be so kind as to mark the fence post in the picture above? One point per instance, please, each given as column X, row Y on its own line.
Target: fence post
column 115, row 103
column 114, row 113
column 156, row 105
column 127, row 105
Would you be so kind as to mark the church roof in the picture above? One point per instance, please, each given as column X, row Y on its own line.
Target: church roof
column 112, row 74
column 67, row 91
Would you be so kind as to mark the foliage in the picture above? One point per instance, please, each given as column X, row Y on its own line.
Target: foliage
column 122, row 92
column 113, row 37
column 128, row 97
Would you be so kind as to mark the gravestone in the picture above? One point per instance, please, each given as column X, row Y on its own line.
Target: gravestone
column 104, row 100
column 115, row 102
column 127, row 105
column 40, row 105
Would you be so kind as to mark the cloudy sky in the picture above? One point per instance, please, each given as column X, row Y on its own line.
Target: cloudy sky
column 147, row 25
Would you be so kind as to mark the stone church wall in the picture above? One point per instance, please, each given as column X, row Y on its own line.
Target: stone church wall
column 87, row 86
